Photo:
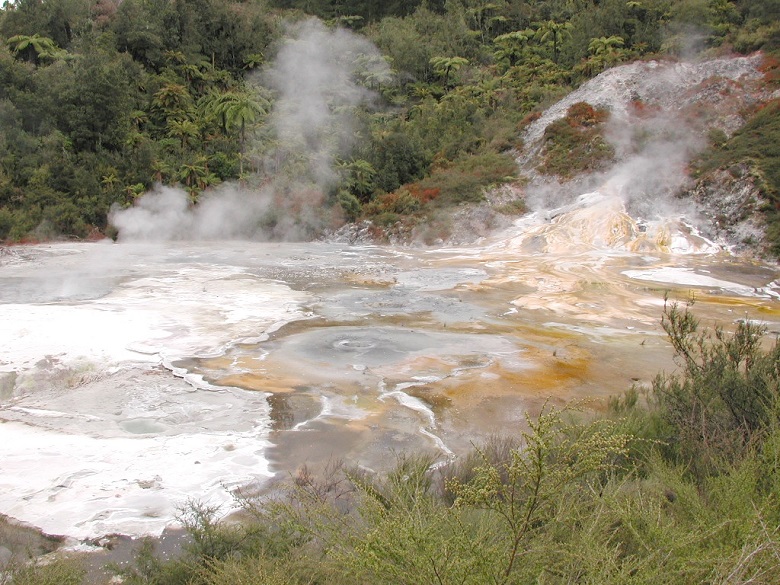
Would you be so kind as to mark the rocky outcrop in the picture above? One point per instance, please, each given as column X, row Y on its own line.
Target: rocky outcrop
column 730, row 200
column 662, row 115
column 663, row 87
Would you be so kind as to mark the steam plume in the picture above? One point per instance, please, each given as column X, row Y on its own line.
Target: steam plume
column 314, row 75
column 315, row 80
column 660, row 113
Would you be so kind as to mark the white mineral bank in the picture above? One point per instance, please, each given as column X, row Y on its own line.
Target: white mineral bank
column 93, row 451
column 685, row 276
column 84, row 486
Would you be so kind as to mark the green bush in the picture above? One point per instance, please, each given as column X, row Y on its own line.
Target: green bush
column 575, row 143
column 465, row 180
column 727, row 396
column 6, row 222
column 59, row 572
column 563, row 502
column 349, row 204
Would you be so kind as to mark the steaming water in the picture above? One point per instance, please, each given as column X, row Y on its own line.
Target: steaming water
column 133, row 378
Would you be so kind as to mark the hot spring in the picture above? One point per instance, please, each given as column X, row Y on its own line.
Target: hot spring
column 134, row 377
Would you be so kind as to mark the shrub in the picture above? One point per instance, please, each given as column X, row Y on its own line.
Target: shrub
column 727, row 395
column 58, row 572
column 575, row 143
column 465, row 179
column 6, row 222
column 400, row 202
column 462, row 181
column 349, row 204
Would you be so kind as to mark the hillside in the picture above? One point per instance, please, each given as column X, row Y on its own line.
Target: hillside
column 659, row 135
column 396, row 113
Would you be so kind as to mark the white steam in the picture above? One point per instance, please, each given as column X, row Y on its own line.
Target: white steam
column 166, row 214
column 652, row 155
column 659, row 116
column 314, row 74
column 315, row 80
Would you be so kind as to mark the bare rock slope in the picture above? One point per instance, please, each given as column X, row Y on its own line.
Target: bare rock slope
column 662, row 114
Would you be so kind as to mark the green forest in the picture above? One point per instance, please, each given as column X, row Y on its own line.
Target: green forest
column 102, row 100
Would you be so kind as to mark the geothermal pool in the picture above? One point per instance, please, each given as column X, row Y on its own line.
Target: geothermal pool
column 135, row 377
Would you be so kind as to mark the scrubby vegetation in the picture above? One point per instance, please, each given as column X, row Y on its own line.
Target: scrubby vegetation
column 60, row 572
column 102, row 99
column 575, row 143
column 754, row 151
column 673, row 484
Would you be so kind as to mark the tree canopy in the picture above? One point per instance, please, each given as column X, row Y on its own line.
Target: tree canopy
column 100, row 99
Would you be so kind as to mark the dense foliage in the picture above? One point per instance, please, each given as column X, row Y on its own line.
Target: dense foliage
column 100, row 99
column 674, row 484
